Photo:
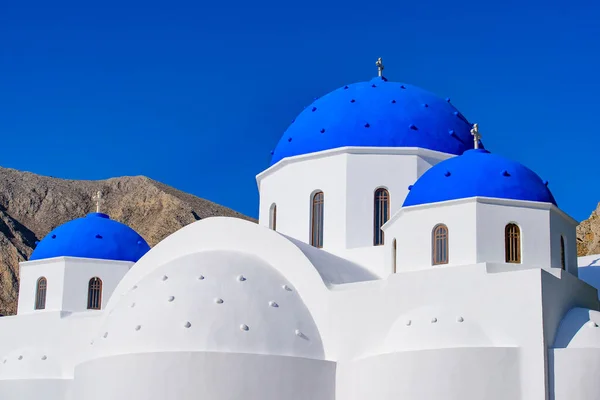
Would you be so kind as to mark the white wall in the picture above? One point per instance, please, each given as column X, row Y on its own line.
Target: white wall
column 201, row 375
column 574, row 374
column 67, row 282
column 562, row 225
column 449, row 374
column 35, row 389
column 348, row 178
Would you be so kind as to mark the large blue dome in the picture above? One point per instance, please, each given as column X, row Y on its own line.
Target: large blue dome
column 93, row 236
column 478, row 173
column 377, row 113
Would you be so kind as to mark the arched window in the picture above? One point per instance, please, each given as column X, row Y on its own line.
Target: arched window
column 40, row 293
column 94, row 294
column 394, row 255
column 316, row 225
column 273, row 217
column 563, row 261
column 440, row 244
column 512, row 246
column 382, row 214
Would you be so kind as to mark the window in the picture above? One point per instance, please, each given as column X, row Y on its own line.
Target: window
column 440, row 244
column 40, row 293
column 394, row 256
column 382, row 214
column 273, row 217
column 94, row 294
column 563, row 263
column 316, row 225
column 512, row 247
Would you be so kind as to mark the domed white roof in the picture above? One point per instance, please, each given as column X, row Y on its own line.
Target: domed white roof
column 30, row 363
column 219, row 301
column 580, row 328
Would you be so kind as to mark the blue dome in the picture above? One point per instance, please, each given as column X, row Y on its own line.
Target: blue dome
column 93, row 236
column 376, row 114
column 478, row 173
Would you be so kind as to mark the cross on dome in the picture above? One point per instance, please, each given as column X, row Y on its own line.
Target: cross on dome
column 476, row 135
column 98, row 199
column 380, row 67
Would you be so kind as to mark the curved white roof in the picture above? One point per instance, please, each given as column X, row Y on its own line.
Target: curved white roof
column 580, row 328
column 30, row 363
column 220, row 301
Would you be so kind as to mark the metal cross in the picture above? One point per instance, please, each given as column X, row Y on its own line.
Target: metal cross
column 476, row 135
column 379, row 65
column 98, row 199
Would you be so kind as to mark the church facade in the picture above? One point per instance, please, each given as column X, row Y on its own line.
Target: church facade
column 394, row 258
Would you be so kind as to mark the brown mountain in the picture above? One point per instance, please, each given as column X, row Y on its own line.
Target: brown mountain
column 588, row 234
column 32, row 205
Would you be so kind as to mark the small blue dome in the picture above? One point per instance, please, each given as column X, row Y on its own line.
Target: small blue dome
column 93, row 236
column 377, row 113
column 478, row 173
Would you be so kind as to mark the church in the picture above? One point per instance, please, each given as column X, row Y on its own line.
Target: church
column 395, row 257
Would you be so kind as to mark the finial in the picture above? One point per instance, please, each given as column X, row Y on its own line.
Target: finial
column 98, row 199
column 476, row 135
column 379, row 65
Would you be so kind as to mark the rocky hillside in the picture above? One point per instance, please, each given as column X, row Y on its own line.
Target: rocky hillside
column 588, row 234
column 32, row 205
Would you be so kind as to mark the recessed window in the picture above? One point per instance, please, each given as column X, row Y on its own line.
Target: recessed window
column 381, row 215
column 563, row 258
column 94, row 294
column 440, row 244
column 40, row 293
column 512, row 245
column 316, row 225
column 273, row 217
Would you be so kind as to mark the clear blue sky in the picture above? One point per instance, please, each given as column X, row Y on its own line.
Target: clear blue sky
column 196, row 94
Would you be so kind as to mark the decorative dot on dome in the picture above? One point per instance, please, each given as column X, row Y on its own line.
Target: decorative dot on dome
column 286, row 287
column 289, row 139
column 322, row 130
column 425, row 105
column 505, row 173
column 433, row 320
column 138, row 327
column 134, row 287
column 272, row 152
column 373, row 85
column 402, row 87
column 241, row 278
column 345, row 87
column 201, row 278
column 352, row 101
column 219, row 301
column 314, row 109
column 53, row 236
column 132, row 305
column 447, row 174
column 447, row 99
column 244, row 327
column 393, row 101
column 545, row 183
column 105, row 335
column 187, row 324
column 98, row 236
column 455, row 113
column 20, row 357
column 410, row 187
column 171, row 298
column 164, row 278
column 451, row 132
column 37, row 242
column 294, row 120
column 367, row 125
column 140, row 242
column 299, row 333
column 413, row 127
column 592, row 324
column 408, row 322
column 273, row 304
column 460, row 319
